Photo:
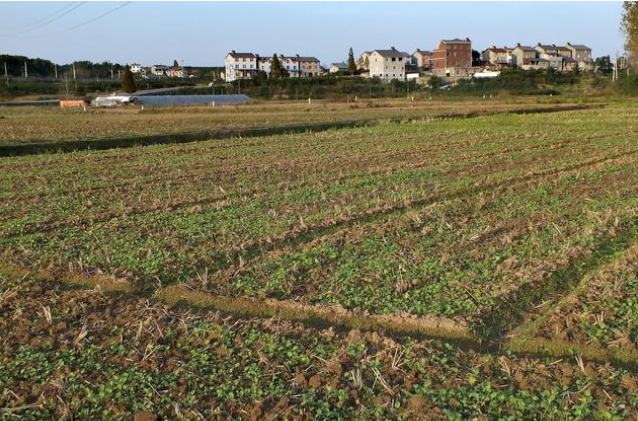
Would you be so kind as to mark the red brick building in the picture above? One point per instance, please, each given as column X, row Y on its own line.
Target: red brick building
column 452, row 53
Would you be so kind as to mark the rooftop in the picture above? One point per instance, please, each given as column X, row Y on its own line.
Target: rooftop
column 393, row 52
column 578, row 47
column 456, row 41
column 525, row 47
column 235, row 54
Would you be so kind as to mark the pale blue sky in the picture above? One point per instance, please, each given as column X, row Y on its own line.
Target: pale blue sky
column 200, row 33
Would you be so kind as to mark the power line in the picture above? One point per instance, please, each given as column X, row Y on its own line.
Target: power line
column 108, row 12
column 52, row 19
column 61, row 10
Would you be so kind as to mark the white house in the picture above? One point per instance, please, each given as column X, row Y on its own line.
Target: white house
column 240, row 66
column 246, row 65
column 136, row 68
column 388, row 64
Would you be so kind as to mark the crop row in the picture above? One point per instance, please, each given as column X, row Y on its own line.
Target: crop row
column 600, row 314
column 460, row 258
column 83, row 354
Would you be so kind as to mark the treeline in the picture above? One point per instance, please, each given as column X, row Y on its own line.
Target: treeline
column 41, row 68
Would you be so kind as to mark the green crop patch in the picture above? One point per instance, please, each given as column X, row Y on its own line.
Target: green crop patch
column 475, row 221
column 84, row 354
column 598, row 316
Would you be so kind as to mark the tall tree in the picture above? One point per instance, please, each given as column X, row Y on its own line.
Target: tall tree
column 276, row 71
column 175, row 63
column 476, row 58
column 604, row 64
column 352, row 66
column 128, row 83
column 629, row 25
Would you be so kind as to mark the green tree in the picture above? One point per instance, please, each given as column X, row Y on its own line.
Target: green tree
column 476, row 58
column 128, row 83
column 276, row 71
column 352, row 67
column 604, row 64
column 629, row 26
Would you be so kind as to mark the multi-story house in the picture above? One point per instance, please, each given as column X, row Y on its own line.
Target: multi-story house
column 582, row 55
column 308, row 66
column 388, row 64
column 422, row 59
column 452, row 54
column 176, row 71
column 552, row 54
column 497, row 57
column 240, row 66
column 246, row 65
column 290, row 65
column 521, row 55
column 159, row 70
column 136, row 68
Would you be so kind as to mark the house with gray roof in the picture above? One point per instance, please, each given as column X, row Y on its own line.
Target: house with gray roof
column 338, row 67
column 388, row 64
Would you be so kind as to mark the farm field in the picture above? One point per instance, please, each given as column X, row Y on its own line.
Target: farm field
column 457, row 269
column 53, row 125
column 93, row 355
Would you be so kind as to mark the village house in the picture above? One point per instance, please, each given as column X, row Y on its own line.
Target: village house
column 388, row 64
column 338, row 67
column 176, row 71
column 308, row 66
column 286, row 63
column 159, row 70
column 522, row 54
column 246, row 65
column 535, row 63
column 240, row 66
column 551, row 54
column 497, row 57
column 422, row 59
column 136, row 68
column 452, row 54
column 582, row 55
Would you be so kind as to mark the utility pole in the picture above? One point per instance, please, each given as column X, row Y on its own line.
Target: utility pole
column 66, row 83
column 111, row 74
column 56, row 71
column 26, row 71
column 614, row 75
column 6, row 74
